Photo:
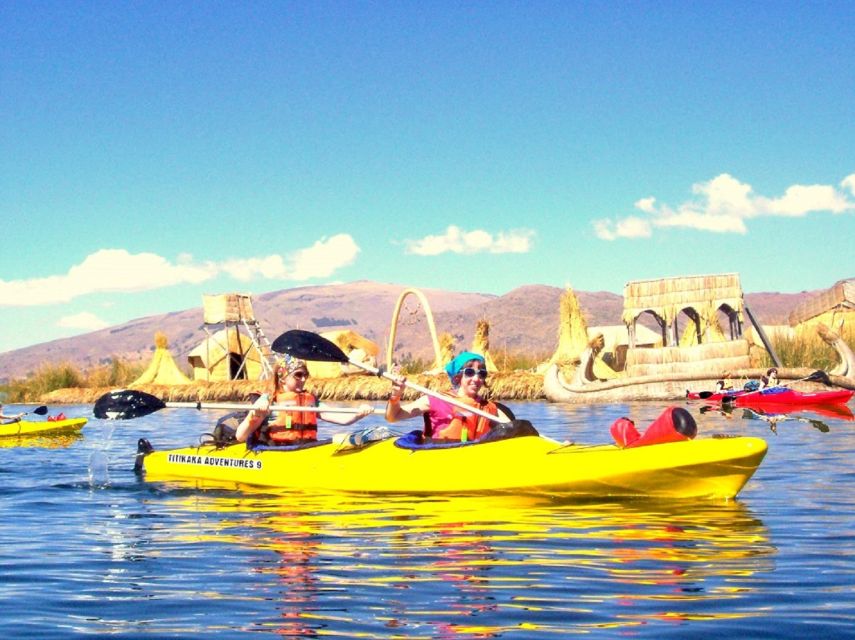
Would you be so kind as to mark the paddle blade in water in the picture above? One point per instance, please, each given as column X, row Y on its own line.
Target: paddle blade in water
column 308, row 346
column 126, row 404
column 40, row 411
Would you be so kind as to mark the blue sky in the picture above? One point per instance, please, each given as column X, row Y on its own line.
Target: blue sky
column 152, row 152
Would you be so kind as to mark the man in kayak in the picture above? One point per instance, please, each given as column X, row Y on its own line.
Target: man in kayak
column 4, row 419
column 444, row 421
column 290, row 427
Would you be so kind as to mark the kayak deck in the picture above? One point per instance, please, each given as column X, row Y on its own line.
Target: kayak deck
column 41, row 428
column 705, row 468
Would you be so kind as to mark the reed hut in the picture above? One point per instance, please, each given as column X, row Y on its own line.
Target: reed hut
column 228, row 354
column 834, row 307
column 162, row 368
column 700, row 299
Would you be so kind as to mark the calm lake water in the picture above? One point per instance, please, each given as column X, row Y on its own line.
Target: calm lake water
column 87, row 548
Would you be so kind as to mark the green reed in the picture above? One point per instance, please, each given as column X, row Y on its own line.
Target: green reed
column 805, row 350
column 65, row 375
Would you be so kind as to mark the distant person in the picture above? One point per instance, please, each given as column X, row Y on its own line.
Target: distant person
column 770, row 379
column 290, row 427
column 722, row 387
column 445, row 421
column 9, row 419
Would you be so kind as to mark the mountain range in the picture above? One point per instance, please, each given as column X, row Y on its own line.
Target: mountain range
column 524, row 320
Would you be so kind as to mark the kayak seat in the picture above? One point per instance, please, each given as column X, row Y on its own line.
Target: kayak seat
column 415, row 440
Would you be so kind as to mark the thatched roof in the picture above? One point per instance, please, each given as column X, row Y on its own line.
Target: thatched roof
column 667, row 297
column 840, row 296
column 162, row 368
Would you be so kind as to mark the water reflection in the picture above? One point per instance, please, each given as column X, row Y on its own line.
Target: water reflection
column 481, row 566
column 774, row 417
column 50, row 441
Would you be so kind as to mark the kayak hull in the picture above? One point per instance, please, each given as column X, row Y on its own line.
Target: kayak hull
column 706, row 468
column 42, row 428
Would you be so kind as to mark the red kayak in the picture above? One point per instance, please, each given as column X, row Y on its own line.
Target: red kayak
column 776, row 396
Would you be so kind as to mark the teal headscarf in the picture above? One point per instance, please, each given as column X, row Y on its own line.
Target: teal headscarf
column 456, row 365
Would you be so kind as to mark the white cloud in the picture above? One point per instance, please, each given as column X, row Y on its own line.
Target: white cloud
column 632, row 227
column 245, row 269
column 324, row 257
column 799, row 200
column 648, row 205
column 456, row 240
column 723, row 204
column 107, row 270
column 84, row 320
column 117, row 271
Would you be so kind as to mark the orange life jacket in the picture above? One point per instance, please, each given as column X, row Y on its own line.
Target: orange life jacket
column 291, row 426
column 459, row 426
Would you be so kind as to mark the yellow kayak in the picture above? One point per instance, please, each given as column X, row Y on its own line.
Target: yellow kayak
column 41, row 428
column 701, row 468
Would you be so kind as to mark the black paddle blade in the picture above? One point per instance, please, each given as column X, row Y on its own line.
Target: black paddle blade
column 820, row 376
column 506, row 410
column 703, row 395
column 308, row 346
column 819, row 425
column 126, row 404
column 40, row 411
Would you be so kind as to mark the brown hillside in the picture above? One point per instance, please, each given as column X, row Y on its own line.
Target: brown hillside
column 524, row 320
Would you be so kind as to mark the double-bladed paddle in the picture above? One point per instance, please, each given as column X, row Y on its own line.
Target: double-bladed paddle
column 39, row 411
column 127, row 404
column 310, row 346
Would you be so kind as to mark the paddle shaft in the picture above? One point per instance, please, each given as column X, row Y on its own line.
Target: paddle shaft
column 237, row 406
column 430, row 392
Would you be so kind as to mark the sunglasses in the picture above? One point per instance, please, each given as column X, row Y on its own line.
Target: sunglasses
column 471, row 372
column 300, row 375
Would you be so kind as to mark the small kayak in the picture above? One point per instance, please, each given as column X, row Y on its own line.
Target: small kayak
column 42, row 427
column 775, row 395
column 701, row 468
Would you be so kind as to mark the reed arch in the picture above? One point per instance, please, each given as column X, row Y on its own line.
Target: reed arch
column 394, row 329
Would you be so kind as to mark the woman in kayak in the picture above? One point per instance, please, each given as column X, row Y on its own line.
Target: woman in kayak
column 443, row 420
column 4, row 419
column 290, row 427
column 770, row 379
